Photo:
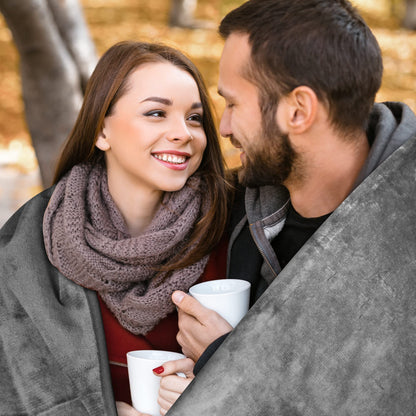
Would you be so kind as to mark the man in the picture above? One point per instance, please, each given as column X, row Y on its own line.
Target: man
column 299, row 78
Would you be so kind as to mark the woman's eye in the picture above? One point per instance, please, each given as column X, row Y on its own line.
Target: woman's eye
column 155, row 113
column 195, row 119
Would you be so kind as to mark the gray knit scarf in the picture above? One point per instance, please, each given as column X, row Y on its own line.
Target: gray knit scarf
column 87, row 241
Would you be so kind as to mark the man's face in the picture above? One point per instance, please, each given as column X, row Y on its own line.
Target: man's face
column 266, row 157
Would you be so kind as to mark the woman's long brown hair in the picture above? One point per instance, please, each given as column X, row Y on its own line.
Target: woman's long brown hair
column 105, row 87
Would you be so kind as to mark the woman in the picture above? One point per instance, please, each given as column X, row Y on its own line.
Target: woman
column 139, row 203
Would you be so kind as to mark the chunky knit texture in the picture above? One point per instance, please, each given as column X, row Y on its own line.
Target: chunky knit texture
column 86, row 239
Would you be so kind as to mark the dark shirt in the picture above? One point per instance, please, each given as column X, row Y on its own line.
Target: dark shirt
column 296, row 231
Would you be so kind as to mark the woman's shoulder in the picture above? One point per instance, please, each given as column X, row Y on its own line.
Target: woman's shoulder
column 27, row 217
column 22, row 254
column 24, row 264
column 22, row 236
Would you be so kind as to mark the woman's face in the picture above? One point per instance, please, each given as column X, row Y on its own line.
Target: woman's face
column 154, row 139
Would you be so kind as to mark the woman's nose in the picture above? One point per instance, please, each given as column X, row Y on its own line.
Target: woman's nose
column 179, row 131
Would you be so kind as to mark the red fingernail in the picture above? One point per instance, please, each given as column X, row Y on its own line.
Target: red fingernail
column 158, row 370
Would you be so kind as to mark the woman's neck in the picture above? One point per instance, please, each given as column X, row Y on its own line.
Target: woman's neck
column 138, row 206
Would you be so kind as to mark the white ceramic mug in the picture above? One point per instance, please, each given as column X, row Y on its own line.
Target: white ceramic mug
column 228, row 297
column 144, row 385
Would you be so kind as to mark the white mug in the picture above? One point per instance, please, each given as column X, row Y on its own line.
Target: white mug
column 228, row 297
column 144, row 385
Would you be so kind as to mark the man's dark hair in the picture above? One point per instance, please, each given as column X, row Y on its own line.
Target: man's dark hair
column 322, row 44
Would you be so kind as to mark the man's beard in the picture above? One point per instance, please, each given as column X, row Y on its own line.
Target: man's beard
column 270, row 162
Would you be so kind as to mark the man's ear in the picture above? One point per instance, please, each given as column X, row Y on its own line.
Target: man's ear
column 298, row 110
column 102, row 142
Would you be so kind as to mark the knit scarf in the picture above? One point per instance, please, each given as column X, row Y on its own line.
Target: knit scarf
column 86, row 239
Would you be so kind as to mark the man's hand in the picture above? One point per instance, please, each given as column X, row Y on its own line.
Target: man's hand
column 172, row 385
column 198, row 326
column 124, row 409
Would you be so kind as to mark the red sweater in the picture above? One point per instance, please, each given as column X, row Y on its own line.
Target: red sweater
column 162, row 337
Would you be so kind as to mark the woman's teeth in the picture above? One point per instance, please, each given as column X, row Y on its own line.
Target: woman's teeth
column 171, row 158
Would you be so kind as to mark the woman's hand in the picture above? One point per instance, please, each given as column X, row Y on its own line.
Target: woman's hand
column 124, row 409
column 172, row 385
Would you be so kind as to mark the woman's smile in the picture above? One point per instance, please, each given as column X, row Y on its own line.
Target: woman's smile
column 172, row 159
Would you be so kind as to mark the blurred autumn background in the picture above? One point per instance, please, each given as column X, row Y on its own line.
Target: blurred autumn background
column 109, row 21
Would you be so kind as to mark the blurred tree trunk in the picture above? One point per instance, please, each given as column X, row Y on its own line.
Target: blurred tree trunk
column 57, row 56
column 182, row 13
column 74, row 32
column 409, row 20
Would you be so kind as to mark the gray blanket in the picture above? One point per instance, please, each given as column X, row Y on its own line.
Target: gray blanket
column 53, row 359
column 335, row 333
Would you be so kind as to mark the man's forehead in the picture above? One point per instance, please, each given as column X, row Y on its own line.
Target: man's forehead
column 233, row 66
column 235, row 56
column 228, row 86
column 236, row 47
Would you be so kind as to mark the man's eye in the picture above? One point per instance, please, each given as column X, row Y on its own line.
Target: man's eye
column 155, row 113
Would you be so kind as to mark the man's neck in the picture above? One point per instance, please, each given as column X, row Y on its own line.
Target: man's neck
column 328, row 176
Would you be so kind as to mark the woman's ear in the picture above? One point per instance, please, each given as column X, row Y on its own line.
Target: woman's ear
column 102, row 142
column 297, row 111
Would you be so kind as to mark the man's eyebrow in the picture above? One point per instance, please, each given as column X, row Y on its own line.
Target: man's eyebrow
column 161, row 100
column 224, row 94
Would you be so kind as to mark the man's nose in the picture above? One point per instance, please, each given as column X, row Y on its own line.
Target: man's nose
column 225, row 125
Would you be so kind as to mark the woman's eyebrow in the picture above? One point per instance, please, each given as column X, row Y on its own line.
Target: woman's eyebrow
column 161, row 100
column 166, row 101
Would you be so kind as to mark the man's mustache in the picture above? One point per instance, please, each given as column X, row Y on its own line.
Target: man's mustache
column 234, row 141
